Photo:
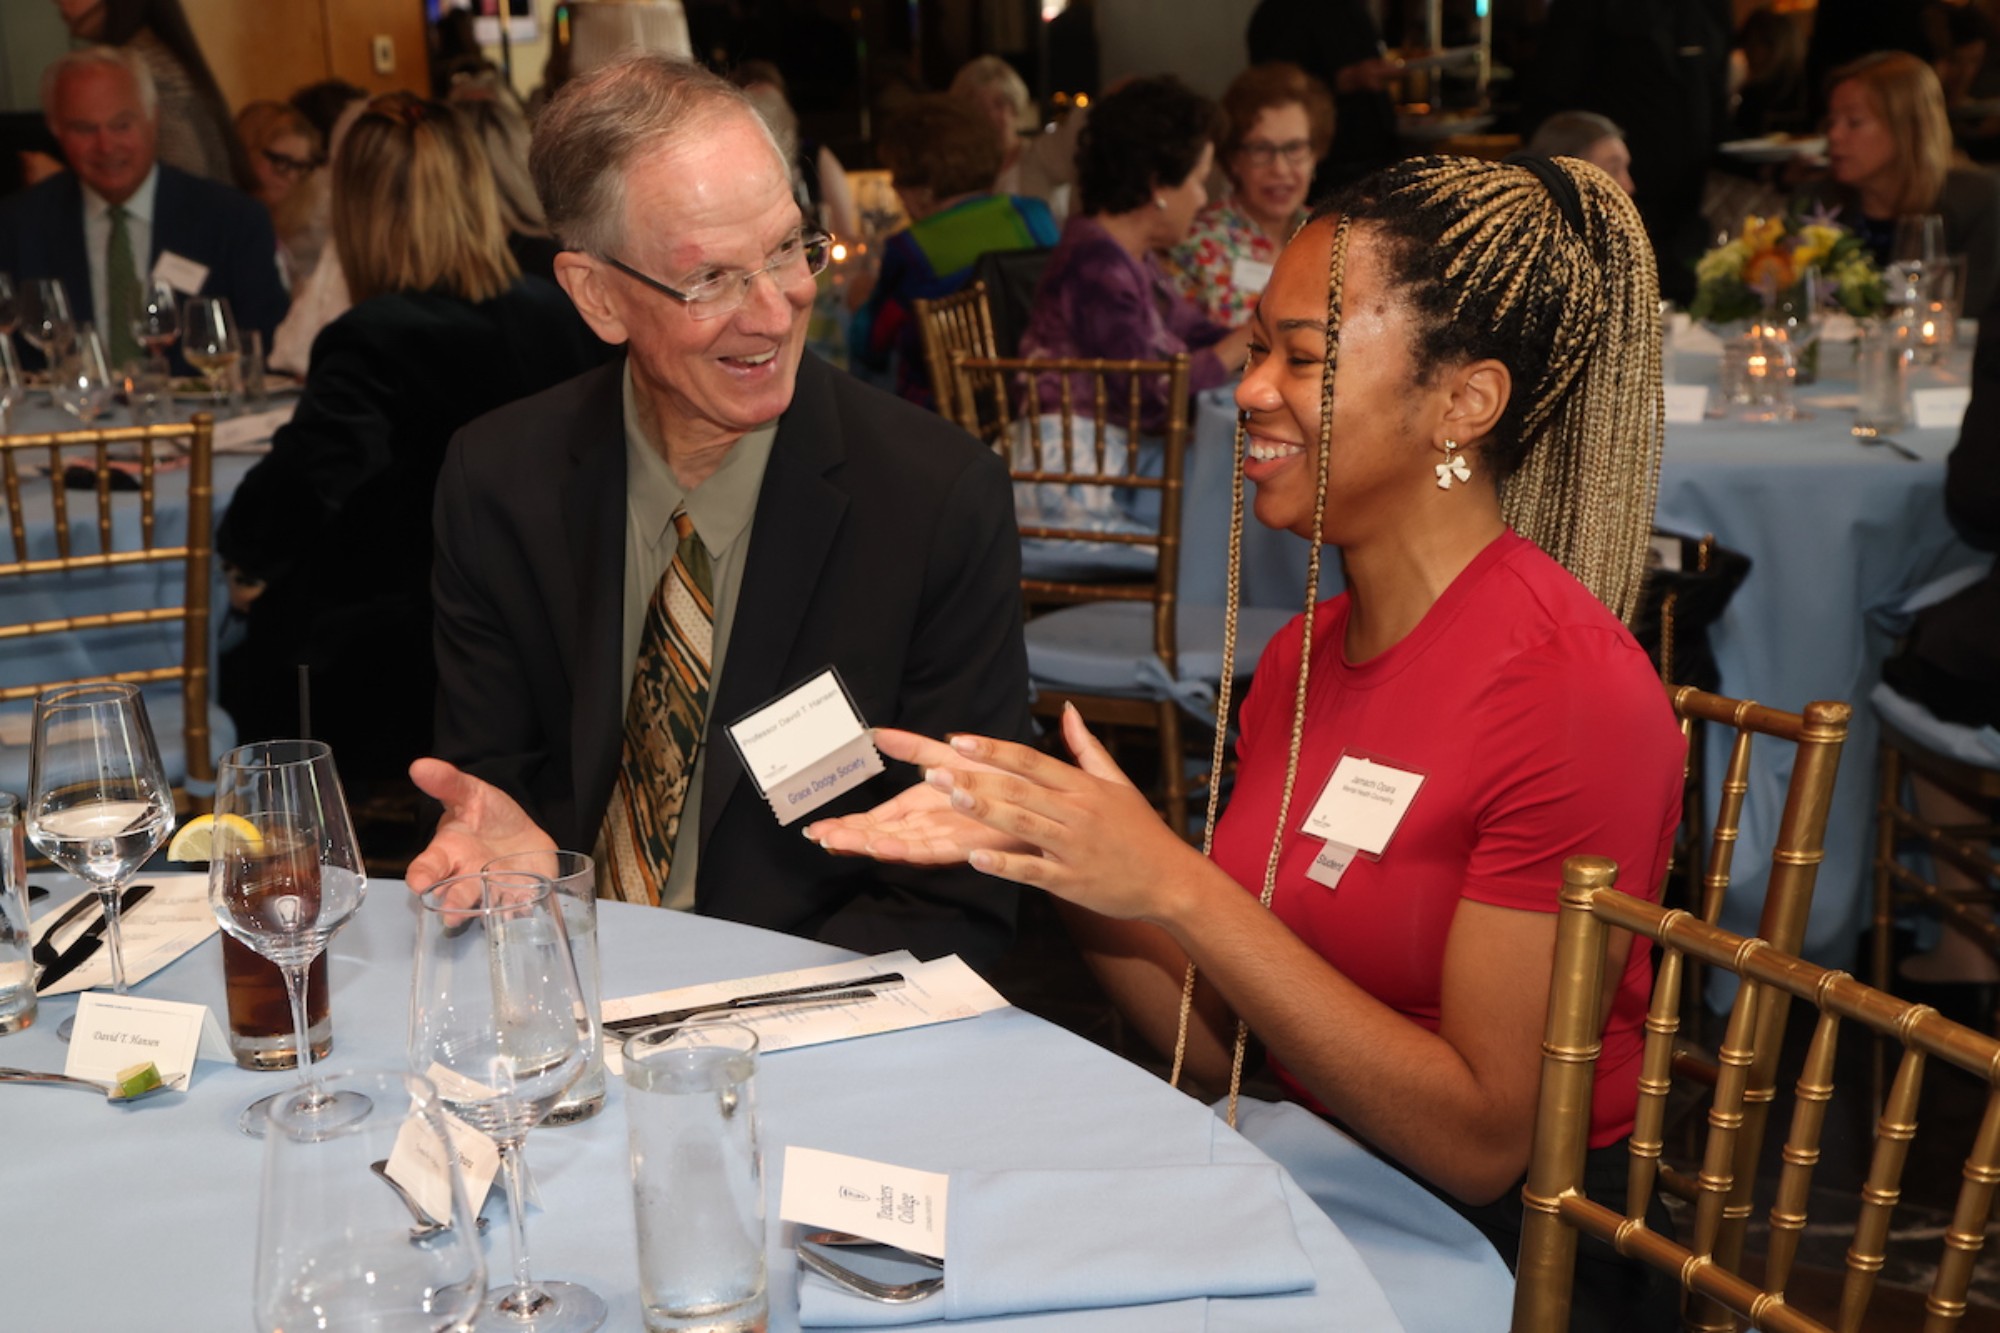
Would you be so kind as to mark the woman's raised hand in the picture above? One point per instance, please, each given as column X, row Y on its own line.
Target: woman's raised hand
column 917, row 826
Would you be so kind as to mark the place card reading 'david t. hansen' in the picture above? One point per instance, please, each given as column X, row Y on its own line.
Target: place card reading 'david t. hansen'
column 115, row 1032
column 806, row 747
column 895, row 1205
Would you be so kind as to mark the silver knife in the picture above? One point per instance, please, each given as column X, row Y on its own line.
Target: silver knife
column 825, row 992
column 45, row 951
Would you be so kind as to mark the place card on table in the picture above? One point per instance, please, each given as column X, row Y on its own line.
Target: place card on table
column 806, row 747
column 173, row 919
column 414, row 1163
column 115, row 1032
column 896, row 1205
column 1687, row 404
column 1940, row 409
column 943, row 990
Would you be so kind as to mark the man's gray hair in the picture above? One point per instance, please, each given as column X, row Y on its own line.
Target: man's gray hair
column 594, row 128
column 1571, row 133
column 92, row 57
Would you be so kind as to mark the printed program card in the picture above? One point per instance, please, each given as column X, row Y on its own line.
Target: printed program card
column 895, row 1205
column 115, row 1032
column 806, row 747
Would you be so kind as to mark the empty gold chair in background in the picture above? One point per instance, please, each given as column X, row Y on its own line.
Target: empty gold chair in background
column 1557, row 1212
column 961, row 322
column 93, row 536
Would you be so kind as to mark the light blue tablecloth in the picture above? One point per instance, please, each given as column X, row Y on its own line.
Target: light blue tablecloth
column 145, row 1216
column 1837, row 533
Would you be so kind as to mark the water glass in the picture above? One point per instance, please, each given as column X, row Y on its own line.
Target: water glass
column 82, row 380
column 697, row 1177
column 17, row 967
column 45, row 317
column 573, row 876
column 1880, row 364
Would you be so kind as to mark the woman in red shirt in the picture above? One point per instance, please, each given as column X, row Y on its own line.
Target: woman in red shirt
column 1420, row 754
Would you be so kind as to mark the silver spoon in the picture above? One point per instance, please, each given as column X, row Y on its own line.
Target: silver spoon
column 427, row 1226
column 889, row 1293
column 106, row 1090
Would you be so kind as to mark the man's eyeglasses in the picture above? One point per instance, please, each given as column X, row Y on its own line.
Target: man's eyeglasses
column 286, row 165
column 723, row 292
column 1259, row 153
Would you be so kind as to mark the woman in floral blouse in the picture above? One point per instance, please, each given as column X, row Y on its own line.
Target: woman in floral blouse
column 1280, row 123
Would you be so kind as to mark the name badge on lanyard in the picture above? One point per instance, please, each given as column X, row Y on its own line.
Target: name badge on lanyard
column 1357, row 813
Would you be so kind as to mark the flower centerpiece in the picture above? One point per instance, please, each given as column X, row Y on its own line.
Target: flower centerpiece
column 1788, row 270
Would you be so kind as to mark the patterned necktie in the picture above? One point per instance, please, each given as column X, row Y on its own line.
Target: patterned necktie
column 663, row 727
column 121, row 281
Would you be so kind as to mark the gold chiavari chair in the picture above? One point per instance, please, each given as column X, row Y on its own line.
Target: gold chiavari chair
column 961, row 322
column 1717, row 1294
column 91, row 535
column 1818, row 733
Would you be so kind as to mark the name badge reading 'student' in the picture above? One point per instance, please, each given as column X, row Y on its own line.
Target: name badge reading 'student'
column 806, row 747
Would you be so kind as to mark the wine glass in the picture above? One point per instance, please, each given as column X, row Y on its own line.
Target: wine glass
column 98, row 799
column 158, row 324
column 213, row 344
column 336, row 1247
column 10, row 309
column 12, row 388
column 284, row 874
column 497, row 1021
column 45, row 317
column 81, row 380
column 1919, row 240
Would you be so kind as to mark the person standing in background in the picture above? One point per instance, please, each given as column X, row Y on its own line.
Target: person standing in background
column 195, row 131
column 1660, row 69
column 1338, row 43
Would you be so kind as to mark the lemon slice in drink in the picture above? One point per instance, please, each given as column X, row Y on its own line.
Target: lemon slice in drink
column 195, row 840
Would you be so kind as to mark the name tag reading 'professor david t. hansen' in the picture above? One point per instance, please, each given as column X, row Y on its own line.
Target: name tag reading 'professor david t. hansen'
column 806, row 747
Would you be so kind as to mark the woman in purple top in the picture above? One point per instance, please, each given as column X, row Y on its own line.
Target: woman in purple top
column 1140, row 164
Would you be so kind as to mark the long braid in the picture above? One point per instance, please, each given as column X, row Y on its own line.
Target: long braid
column 1578, row 448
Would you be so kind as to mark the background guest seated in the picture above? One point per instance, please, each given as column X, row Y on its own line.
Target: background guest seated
column 1280, row 121
column 285, row 154
column 327, row 542
column 1889, row 145
column 1594, row 138
column 119, row 217
column 1038, row 163
column 941, row 154
column 1141, row 164
column 499, row 120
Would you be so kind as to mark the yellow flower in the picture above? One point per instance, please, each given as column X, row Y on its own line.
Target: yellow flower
column 1762, row 233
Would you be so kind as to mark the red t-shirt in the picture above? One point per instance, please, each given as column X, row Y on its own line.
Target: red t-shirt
column 1542, row 732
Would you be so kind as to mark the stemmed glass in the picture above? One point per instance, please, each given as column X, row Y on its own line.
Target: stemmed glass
column 98, row 799
column 284, row 874
column 158, row 324
column 1919, row 241
column 10, row 309
column 497, row 1021
column 45, row 317
column 81, row 381
column 213, row 344
column 336, row 1247
column 12, row 389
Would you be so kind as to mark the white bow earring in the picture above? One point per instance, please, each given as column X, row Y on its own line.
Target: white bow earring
column 1453, row 466
column 1160, row 202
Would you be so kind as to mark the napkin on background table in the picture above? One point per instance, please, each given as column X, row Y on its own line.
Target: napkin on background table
column 1023, row 1241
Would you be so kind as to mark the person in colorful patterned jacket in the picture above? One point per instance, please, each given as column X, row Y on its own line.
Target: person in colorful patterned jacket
column 1280, row 123
column 942, row 157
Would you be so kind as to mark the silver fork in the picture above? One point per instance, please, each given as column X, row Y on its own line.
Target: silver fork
column 889, row 1293
column 105, row 1090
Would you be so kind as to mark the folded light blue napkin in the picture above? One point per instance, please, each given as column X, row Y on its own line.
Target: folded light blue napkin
column 1023, row 1241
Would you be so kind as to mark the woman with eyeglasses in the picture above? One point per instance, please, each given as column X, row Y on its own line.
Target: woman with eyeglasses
column 1280, row 123
column 284, row 149
column 327, row 543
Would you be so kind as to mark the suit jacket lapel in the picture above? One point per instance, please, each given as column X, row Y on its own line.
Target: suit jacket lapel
column 799, row 513
column 590, row 629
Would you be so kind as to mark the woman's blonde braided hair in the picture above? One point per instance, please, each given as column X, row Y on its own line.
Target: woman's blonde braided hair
column 1492, row 267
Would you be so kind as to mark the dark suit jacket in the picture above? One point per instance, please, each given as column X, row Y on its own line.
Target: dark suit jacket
column 41, row 236
column 337, row 518
column 883, row 544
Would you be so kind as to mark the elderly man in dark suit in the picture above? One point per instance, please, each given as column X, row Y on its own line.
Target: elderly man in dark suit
column 119, row 219
column 633, row 560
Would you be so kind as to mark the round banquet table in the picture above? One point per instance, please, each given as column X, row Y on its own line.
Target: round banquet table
column 145, row 1216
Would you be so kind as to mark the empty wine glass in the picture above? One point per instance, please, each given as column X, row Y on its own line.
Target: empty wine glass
column 45, row 318
column 1919, row 240
column 158, row 323
column 213, row 346
column 81, row 381
column 10, row 310
column 497, row 1021
column 98, row 799
column 336, row 1247
column 12, row 389
column 284, row 874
